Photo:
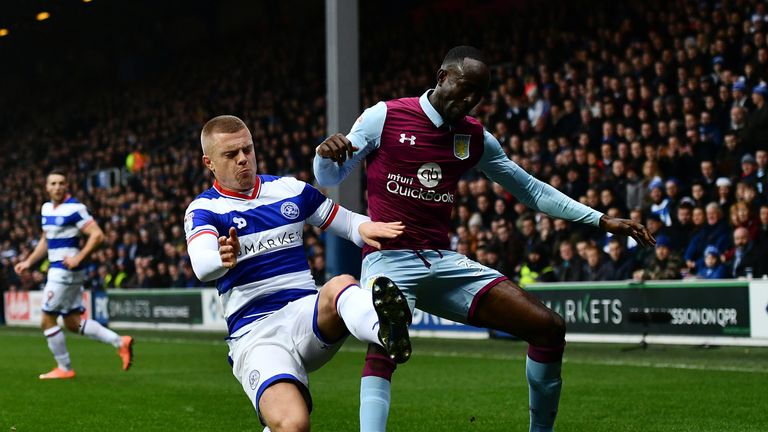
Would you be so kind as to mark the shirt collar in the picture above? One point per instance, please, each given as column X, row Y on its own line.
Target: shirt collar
column 429, row 110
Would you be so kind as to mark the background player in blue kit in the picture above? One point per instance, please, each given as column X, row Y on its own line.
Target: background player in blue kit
column 417, row 149
column 246, row 233
column 64, row 221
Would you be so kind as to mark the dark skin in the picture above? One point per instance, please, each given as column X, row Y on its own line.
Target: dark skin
column 505, row 307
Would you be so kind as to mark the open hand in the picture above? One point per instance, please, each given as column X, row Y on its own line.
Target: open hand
column 629, row 228
column 229, row 248
column 374, row 231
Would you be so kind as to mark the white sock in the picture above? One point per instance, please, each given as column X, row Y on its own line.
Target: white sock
column 95, row 330
column 355, row 307
column 57, row 343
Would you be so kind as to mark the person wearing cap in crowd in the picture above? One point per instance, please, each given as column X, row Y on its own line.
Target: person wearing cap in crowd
column 714, row 232
column 723, row 195
column 718, row 64
column 712, row 268
column 748, row 169
column 659, row 203
column 739, row 92
column 757, row 123
column 664, row 264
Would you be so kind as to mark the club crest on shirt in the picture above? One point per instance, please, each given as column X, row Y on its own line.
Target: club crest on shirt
column 253, row 379
column 289, row 210
column 189, row 221
column 461, row 146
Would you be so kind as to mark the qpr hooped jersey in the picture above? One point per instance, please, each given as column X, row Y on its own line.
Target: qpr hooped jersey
column 62, row 224
column 272, row 268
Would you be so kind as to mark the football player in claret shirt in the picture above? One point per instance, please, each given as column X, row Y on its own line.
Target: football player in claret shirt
column 417, row 149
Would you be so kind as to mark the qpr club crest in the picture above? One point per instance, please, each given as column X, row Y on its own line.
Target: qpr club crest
column 189, row 222
column 253, row 379
column 461, row 146
column 289, row 210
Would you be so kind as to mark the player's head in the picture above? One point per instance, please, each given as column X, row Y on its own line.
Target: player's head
column 228, row 152
column 56, row 185
column 462, row 81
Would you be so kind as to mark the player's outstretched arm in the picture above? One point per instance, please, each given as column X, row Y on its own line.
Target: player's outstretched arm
column 204, row 254
column 371, row 232
column 630, row 228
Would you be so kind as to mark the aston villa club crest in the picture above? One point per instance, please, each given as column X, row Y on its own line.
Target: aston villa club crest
column 461, row 146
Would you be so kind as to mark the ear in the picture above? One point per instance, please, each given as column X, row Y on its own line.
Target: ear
column 208, row 163
column 442, row 74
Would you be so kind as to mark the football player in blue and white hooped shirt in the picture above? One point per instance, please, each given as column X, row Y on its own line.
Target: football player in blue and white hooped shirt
column 246, row 233
column 65, row 221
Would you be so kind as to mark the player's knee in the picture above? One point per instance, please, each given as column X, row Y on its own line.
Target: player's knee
column 555, row 330
column 72, row 326
column 335, row 286
column 295, row 423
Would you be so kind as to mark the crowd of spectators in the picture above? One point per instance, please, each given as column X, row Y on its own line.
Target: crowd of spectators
column 654, row 111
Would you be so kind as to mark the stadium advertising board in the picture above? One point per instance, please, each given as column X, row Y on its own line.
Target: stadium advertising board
column 758, row 307
column 155, row 307
column 679, row 308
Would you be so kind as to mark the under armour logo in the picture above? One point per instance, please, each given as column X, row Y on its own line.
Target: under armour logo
column 412, row 139
column 240, row 222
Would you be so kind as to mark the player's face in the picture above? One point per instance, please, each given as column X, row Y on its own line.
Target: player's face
column 460, row 89
column 56, row 186
column 233, row 160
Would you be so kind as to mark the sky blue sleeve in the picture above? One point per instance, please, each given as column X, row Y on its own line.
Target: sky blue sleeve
column 529, row 190
column 365, row 135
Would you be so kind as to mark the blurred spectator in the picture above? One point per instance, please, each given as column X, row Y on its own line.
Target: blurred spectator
column 568, row 267
column 743, row 259
column 619, row 265
column 665, row 264
column 713, row 268
column 715, row 232
column 536, row 267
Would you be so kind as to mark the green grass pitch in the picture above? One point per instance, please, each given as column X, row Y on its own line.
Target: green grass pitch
column 182, row 382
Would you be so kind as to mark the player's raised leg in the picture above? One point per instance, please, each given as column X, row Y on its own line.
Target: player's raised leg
column 508, row 308
column 343, row 306
column 96, row 331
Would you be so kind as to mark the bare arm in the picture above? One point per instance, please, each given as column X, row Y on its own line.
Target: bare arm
column 95, row 237
column 37, row 254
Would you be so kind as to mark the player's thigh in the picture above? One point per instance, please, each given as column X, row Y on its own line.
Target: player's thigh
column 403, row 267
column 313, row 349
column 509, row 308
column 455, row 286
column 63, row 293
column 283, row 407
column 264, row 357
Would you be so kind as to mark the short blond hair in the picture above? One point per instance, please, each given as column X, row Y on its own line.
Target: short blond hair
column 220, row 124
